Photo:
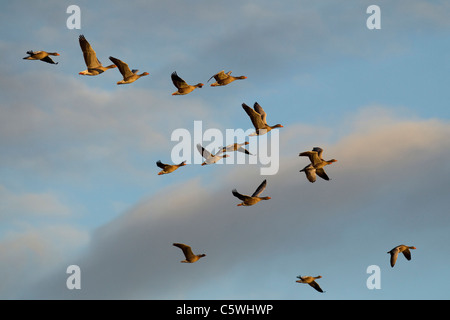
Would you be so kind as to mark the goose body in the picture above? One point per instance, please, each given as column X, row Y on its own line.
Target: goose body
column 222, row 78
column 128, row 75
column 400, row 249
column 236, row 147
column 259, row 119
column 94, row 66
column 168, row 168
column 311, row 281
column 209, row 157
column 254, row 198
column 41, row 55
column 316, row 167
column 182, row 86
column 188, row 254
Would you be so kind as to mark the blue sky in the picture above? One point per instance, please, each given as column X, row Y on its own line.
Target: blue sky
column 79, row 183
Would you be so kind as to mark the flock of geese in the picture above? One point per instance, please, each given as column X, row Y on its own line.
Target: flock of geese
column 258, row 118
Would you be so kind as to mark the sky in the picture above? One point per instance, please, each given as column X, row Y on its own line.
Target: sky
column 79, row 183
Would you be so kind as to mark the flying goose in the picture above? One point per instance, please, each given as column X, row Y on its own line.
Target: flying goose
column 189, row 255
column 258, row 117
column 403, row 249
column 311, row 281
column 41, row 55
column 168, row 168
column 254, row 198
column 316, row 165
column 236, row 147
column 182, row 86
column 128, row 75
column 94, row 66
column 209, row 157
column 222, row 78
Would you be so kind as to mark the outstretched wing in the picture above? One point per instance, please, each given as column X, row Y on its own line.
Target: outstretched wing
column 394, row 255
column 316, row 286
column 255, row 117
column 312, row 155
column 220, row 75
column 177, row 81
column 187, row 250
column 238, row 195
column 407, row 254
column 321, row 173
column 242, row 149
column 205, row 153
column 260, row 189
column 319, row 151
column 122, row 66
column 310, row 173
column 49, row 60
column 261, row 111
column 160, row 164
column 90, row 57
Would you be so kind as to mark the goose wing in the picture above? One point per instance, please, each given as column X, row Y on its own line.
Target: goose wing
column 238, row 195
column 205, row 153
column 187, row 250
column 90, row 57
column 220, row 76
column 123, row 67
column 310, row 173
column 407, row 254
column 261, row 111
column 177, row 81
column 255, row 117
column 312, row 155
column 242, row 149
column 316, row 286
column 49, row 60
column 319, row 151
column 394, row 255
column 160, row 164
column 260, row 189
column 321, row 173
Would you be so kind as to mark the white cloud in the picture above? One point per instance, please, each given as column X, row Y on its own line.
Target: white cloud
column 14, row 206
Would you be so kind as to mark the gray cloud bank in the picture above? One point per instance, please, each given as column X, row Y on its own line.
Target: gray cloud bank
column 389, row 186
